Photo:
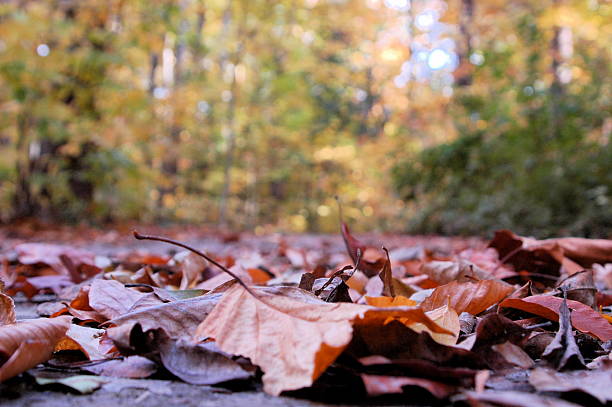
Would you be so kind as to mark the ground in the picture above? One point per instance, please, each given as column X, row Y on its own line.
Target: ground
column 22, row 391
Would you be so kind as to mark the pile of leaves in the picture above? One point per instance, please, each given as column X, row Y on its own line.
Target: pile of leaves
column 520, row 322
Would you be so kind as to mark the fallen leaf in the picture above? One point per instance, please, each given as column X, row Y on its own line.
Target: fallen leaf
column 55, row 283
column 382, row 366
column 597, row 383
column 111, row 298
column 192, row 267
column 379, row 385
column 468, row 297
column 580, row 287
column 563, row 351
column 289, row 333
column 83, row 384
column 223, row 278
column 84, row 339
column 199, row 363
column 50, row 254
column 537, row 256
column 354, row 246
column 131, row 367
column 386, row 277
column 7, row 310
column 496, row 329
column 443, row 272
column 385, row 302
column 444, row 317
column 161, row 387
column 396, row 341
column 24, row 345
column 480, row 380
column 584, row 251
column 177, row 319
column 513, row 355
column 583, row 318
column 515, row 399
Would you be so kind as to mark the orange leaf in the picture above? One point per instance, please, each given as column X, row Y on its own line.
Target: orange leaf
column 84, row 339
column 26, row 344
column 468, row 297
column 583, row 317
column 385, row 302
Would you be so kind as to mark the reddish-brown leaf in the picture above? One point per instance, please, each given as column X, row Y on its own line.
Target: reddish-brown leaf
column 7, row 310
column 50, row 254
column 583, row 317
column 369, row 266
column 26, row 344
column 379, row 385
column 468, row 297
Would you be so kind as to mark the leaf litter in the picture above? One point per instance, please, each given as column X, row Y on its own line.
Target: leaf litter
column 520, row 322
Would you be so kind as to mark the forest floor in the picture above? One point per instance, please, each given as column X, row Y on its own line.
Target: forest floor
column 131, row 312
column 117, row 241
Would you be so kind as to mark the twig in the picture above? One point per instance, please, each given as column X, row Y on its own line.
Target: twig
column 199, row 253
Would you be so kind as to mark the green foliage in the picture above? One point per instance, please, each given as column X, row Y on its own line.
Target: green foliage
column 527, row 158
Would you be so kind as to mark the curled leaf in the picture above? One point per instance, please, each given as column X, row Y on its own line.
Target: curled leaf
column 24, row 345
column 7, row 310
column 583, row 318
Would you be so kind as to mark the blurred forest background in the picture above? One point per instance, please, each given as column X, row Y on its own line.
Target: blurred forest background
column 428, row 116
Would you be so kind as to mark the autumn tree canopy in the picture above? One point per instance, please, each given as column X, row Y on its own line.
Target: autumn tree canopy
column 426, row 115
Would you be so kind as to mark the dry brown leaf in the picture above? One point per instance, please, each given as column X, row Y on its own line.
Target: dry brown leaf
column 386, row 276
column 379, row 385
column 84, row 339
column 513, row 355
column 444, row 272
column 597, row 383
column 192, row 267
column 199, row 363
column 111, row 298
column 7, row 310
column 177, row 319
column 514, row 399
column 291, row 334
column 32, row 253
column 132, row 367
column 468, row 297
column 26, row 344
column 446, row 318
column 563, row 351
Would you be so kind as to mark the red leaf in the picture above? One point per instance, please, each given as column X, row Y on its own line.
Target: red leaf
column 583, row 318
